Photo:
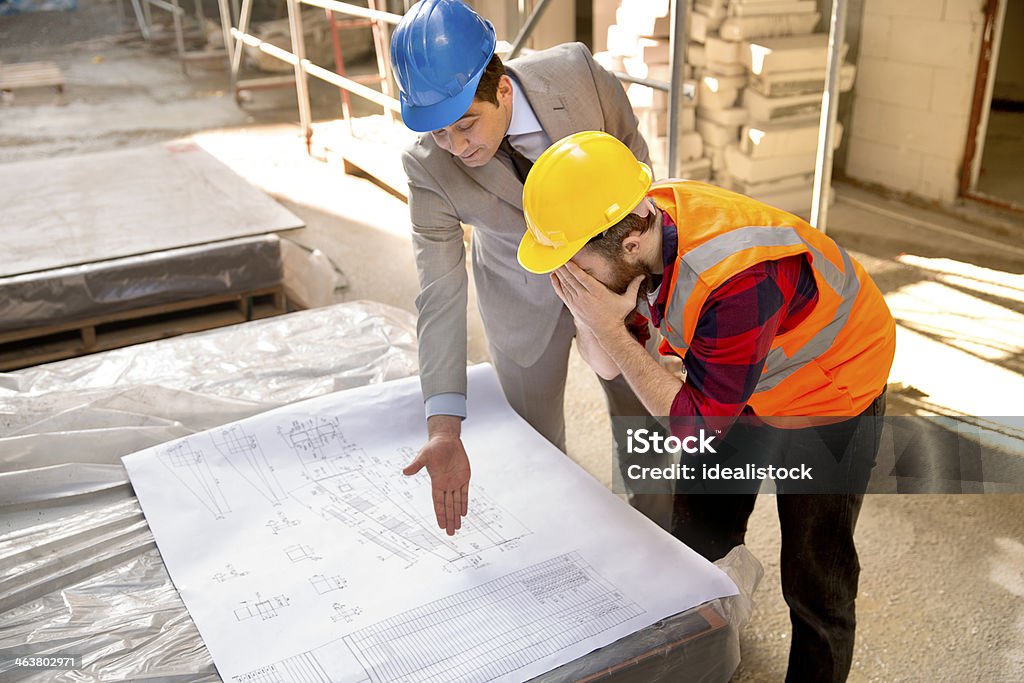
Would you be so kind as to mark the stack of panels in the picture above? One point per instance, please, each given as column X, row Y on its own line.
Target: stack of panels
column 758, row 72
column 65, row 312
column 638, row 44
column 774, row 158
column 136, row 282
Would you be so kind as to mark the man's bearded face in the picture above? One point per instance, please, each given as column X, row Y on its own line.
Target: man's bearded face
column 621, row 273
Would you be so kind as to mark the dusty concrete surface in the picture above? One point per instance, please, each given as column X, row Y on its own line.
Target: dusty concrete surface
column 942, row 585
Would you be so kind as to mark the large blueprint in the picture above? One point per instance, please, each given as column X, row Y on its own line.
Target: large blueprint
column 305, row 556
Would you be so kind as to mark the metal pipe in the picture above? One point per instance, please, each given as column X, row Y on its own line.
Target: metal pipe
column 677, row 76
column 225, row 27
column 301, row 82
column 339, row 66
column 381, row 42
column 265, row 47
column 827, row 124
column 348, row 84
column 139, row 18
column 657, row 85
column 527, row 29
column 179, row 37
column 243, row 30
column 173, row 9
column 354, row 10
column 318, row 72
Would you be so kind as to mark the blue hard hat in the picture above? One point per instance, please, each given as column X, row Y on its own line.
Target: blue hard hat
column 439, row 52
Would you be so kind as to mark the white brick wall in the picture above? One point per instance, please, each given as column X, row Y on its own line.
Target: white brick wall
column 923, row 131
column 952, row 91
column 905, row 85
column 896, row 168
column 875, row 35
column 912, row 98
column 964, row 10
column 940, row 178
column 919, row 9
column 933, row 43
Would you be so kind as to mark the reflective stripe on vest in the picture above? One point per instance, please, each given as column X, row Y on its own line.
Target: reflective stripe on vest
column 778, row 366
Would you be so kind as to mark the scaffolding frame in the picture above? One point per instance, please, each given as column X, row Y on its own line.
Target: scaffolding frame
column 675, row 87
column 142, row 9
column 303, row 68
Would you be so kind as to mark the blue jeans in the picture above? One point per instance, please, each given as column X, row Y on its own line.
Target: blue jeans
column 819, row 564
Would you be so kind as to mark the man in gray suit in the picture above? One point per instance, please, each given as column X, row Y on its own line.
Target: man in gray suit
column 485, row 124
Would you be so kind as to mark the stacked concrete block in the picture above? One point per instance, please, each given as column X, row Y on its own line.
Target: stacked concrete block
column 721, row 78
column 758, row 73
column 700, row 25
column 758, row 8
column 773, row 157
column 649, row 18
column 638, row 44
column 786, row 53
column 764, row 108
column 782, row 138
column 786, row 83
column 768, row 25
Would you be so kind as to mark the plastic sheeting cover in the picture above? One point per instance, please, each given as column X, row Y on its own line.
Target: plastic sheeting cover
column 94, row 584
column 79, row 569
column 121, row 401
column 134, row 282
column 19, row 6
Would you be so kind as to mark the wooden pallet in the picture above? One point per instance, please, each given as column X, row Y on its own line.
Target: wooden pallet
column 31, row 75
column 372, row 147
column 32, row 346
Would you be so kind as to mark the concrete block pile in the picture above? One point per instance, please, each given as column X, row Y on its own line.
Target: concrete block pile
column 638, row 44
column 769, row 70
column 757, row 75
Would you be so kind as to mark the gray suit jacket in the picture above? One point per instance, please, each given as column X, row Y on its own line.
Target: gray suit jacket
column 569, row 93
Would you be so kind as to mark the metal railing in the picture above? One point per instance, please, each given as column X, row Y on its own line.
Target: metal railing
column 303, row 67
column 355, row 10
column 675, row 87
column 657, row 85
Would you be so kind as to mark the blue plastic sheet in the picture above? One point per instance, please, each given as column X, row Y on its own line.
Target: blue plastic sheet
column 23, row 6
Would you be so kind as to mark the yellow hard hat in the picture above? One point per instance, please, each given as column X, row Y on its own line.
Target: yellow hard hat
column 581, row 186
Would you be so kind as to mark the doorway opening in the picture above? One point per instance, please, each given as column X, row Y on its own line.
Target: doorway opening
column 993, row 172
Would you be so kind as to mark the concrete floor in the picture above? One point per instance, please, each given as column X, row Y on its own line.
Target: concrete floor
column 942, row 587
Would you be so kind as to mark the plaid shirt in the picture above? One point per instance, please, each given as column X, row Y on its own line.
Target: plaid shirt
column 735, row 330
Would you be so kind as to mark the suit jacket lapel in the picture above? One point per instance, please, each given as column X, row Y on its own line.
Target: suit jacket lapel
column 547, row 101
column 498, row 178
column 549, row 106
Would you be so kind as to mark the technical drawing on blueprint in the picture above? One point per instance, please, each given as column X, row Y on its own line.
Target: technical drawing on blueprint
column 321, row 562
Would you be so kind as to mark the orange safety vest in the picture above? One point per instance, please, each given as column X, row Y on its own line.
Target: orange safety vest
column 837, row 360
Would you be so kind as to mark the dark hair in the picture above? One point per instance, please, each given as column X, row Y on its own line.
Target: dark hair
column 609, row 242
column 487, row 88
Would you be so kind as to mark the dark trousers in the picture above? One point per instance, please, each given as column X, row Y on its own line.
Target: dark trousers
column 819, row 564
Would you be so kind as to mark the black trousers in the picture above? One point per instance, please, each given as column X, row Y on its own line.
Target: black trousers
column 819, row 565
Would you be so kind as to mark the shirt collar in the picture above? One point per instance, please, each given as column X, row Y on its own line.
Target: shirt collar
column 657, row 296
column 523, row 119
column 669, row 240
